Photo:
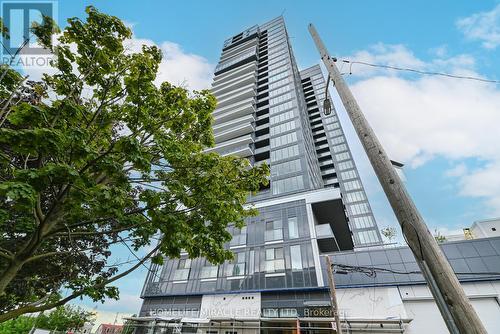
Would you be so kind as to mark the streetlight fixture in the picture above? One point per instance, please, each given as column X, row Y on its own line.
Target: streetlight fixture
column 327, row 103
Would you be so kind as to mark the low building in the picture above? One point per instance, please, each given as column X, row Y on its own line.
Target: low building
column 486, row 228
column 378, row 290
column 109, row 329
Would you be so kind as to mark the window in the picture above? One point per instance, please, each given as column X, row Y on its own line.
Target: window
column 279, row 91
column 351, row 174
column 296, row 257
column 236, row 267
column 330, row 118
column 287, row 185
column 342, row 156
column 274, row 260
column 355, row 196
column 279, row 99
column 361, row 208
column 288, row 126
column 363, row 222
column 351, row 185
column 279, row 76
column 339, row 148
column 345, row 165
column 285, row 168
column 209, row 270
column 274, row 230
column 279, row 83
column 182, row 271
column 293, row 228
column 335, row 133
column 333, row 126
column 239, row 237
column 277, row 71
column 278, row 64
column 283, row 140
column 282, row 107
column 284, row 153
column 368, row 237
column 337, row 140
column 282, row 117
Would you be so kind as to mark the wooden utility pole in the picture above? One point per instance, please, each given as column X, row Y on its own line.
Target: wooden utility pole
column 449, row 295
column 333, row 294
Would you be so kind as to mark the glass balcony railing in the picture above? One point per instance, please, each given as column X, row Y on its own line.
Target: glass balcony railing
column 240, row 59
column 324, row 231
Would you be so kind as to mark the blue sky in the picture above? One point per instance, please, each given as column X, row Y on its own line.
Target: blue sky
column 444, row 130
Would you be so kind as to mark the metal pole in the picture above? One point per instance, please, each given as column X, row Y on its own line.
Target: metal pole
column 333, row 294
column 444, row 285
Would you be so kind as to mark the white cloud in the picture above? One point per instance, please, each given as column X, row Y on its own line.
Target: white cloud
column 483, row 26
column 106, row 317
column 484, row 183
column 419, row 118
column 458, row 170
column 177, row 66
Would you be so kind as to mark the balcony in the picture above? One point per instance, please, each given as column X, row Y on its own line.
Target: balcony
column 243, row 152
column 330, row 181
column 235, row 96
column 259, row 163
column 221, row 127
column 237, row 50
column 323, row 154
column 326, row 163
column 238, row 146
column 233, row 84
column 232, row 42
column 234, row 132
column 261, row 149
column 319, row 147
column 233, row 111
column 235, row 73
column 236, row 61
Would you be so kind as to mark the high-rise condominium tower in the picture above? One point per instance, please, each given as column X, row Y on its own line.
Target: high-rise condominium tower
column 270, row 112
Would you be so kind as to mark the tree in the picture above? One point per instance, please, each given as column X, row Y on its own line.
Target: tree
column 62, row 318
column 389, row 232
column 97, row 154
column 439, row 237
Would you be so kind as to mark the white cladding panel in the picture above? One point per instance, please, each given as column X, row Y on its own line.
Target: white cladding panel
column 371, row 303
column 428, row 320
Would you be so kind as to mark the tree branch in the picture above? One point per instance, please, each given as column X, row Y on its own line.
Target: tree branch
column 33, row 308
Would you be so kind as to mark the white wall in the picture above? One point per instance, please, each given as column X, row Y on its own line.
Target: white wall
column 415, row 302
column 423, row 310
column 486, row 228
column 371, row 303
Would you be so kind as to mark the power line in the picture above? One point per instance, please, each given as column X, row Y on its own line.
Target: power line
column 372, row 271
column 408, row 69
column 138, row 258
